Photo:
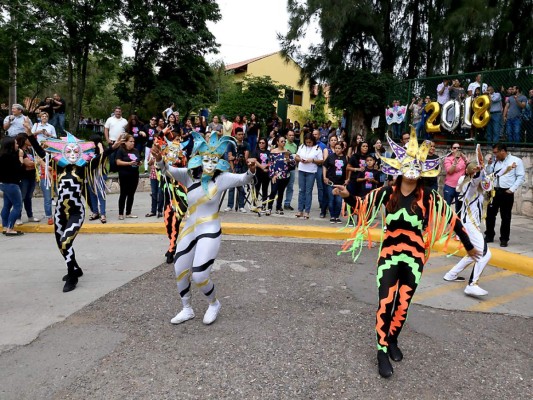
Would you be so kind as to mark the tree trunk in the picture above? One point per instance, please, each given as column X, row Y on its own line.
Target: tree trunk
column 414, row 52
column 80, row 86
column 70, row 87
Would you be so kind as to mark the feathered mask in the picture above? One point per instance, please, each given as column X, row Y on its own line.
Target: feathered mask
column 174, row 152
column 410, row 162
column 208, row 156
column 69, row 150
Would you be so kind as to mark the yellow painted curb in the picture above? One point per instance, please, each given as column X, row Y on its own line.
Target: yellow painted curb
column 500, row 258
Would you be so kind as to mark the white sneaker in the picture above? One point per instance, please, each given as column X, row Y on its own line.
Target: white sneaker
column 227, row 209
column 453, row 278
column 19, row 222
column 184, row 315
column 212, row 313
column 34, row 219
column 242, row 210
column 475, row 290
column 53, row 202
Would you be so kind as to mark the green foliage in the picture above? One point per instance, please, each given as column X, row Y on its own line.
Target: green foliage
column 169, row 41
column 256, row 95
column 319, row 111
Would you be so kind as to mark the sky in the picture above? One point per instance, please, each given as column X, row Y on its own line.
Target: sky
column 249, row 29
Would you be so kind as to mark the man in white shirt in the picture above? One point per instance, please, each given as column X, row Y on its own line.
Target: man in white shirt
column 443, row 91
column 477, row 83
column 44, row 129
column 14, row 124
column 115, row 126
column 510, row 174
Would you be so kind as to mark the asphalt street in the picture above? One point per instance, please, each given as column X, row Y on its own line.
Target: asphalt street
column 297, row 322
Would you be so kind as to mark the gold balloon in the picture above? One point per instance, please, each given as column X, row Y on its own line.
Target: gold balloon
column 431, row 126
column 481, row 107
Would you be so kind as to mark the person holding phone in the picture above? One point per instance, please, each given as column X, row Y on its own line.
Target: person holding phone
column 334, row 172
column 455, row 166
column 128, row 161
column 43, row 129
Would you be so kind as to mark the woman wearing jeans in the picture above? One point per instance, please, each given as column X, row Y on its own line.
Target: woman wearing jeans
column 279, row 172
column 310, row 157
column 11, row 170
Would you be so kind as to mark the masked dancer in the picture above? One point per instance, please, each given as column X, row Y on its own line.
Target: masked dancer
column 414, row 219
column 76, row 162
column 206, row 178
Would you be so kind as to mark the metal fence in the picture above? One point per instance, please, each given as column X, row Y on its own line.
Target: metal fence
column 500, row 80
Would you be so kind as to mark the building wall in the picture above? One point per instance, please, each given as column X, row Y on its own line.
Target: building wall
column 286, row 74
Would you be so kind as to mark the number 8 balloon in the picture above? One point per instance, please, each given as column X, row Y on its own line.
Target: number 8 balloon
column 481, row 106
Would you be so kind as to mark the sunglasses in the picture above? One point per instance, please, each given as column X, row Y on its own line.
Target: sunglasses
column 455, row 148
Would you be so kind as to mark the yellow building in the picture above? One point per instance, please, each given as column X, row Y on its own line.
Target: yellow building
column 300, row 98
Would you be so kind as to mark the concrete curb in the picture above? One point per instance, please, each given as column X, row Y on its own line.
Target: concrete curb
column 500, row 258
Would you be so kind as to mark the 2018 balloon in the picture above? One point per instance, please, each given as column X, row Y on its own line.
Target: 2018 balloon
column 467, row 113
column 451, row 115
column 434, row 108
column 481, row 107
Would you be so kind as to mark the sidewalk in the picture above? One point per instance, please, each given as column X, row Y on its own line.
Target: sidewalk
column 518, row 257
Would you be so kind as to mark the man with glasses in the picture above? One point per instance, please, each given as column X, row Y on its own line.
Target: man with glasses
column 14, row 123
column 510, row 174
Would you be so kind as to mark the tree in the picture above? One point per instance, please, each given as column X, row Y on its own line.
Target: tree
column 169, row 40
column 255, row 95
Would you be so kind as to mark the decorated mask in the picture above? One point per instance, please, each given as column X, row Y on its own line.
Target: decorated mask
column 410, row 162
column 209, row 164
column 69, row 150
column 174, row 153
column 208, row 156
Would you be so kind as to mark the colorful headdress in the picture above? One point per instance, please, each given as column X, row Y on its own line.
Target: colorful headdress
column 410, row 162
column 174, row 152
column 204, row 152
column 69, row 150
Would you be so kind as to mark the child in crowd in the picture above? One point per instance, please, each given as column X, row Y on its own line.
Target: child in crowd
column 334, row 171
column 368, row 179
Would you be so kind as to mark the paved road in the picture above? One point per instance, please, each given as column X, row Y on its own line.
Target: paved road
column 297, row 322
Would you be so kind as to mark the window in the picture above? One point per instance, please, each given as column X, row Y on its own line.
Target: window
column 294, row 97
column 313, row 107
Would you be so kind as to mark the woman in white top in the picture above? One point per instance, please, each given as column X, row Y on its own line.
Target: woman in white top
column 309, row 157
column 43, row 130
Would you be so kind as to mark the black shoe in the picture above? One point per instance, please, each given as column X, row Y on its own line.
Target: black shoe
column 395, row 353
column 70, row 284
column 170, row 257
column 159, row 215
column 504, row 243
column 332, row 220
column 288, row 208
column 77, row 273
column 489, row 239
column 384, row 366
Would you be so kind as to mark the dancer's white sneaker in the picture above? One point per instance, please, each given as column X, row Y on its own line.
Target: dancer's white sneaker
column 452, row 278
column 475, row 290
column 184, row 315
column 212, row 313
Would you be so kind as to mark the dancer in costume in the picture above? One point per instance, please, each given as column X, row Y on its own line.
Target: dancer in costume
column 414, row 218
column 206, row 178
column 76, row 161
column 175, row 194
column 475, row 192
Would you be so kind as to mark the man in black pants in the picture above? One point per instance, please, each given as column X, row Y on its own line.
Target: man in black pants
column 510, row 175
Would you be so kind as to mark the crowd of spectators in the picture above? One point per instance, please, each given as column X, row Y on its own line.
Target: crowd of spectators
column 319, row 154
column 511, row 111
